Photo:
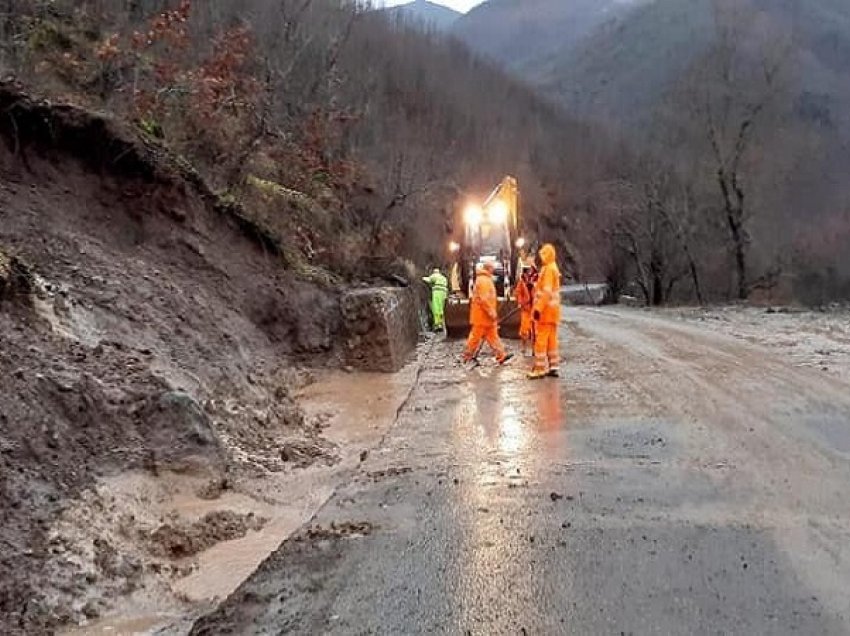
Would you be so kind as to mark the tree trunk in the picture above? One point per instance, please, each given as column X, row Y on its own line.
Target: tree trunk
column 657, row 289
column 656, row 269
column 739, row 243
column 692, row 266
column 735, row 221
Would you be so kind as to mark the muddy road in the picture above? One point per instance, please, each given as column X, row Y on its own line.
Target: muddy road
column 674, row 480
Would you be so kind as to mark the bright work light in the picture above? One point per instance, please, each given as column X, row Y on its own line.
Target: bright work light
column 497, row 212
column 473, row 215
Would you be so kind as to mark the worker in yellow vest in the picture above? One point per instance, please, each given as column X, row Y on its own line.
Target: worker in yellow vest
column 439, row 292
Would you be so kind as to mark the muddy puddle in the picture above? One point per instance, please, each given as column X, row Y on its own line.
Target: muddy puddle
column 356, row 409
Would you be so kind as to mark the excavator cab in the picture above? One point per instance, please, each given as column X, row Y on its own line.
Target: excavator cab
column 490, row 234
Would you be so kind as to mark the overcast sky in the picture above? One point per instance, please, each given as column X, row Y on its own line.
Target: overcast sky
column 457, row 5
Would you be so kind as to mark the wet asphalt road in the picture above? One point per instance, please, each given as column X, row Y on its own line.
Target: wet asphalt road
column 672, row 482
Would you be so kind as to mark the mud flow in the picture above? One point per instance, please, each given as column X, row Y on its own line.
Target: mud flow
column 202, row 541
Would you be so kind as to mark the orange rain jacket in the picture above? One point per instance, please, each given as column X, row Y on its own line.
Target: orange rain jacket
column 547, row 297
column 523, row 296
column 484, row 308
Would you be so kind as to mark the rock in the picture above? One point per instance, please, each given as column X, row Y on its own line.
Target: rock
column 301, row 453
column 179, row 433
column 382, row 327
column 90, row 610
column 554, row 496
column 16, row 281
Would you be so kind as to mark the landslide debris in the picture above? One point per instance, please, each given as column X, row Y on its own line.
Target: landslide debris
column 177, row 541
column 144, row 325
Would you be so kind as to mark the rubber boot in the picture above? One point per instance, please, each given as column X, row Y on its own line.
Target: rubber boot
column 537, row 374
column 506, row 359
column 554, row 372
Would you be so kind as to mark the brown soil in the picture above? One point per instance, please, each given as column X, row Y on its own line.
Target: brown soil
column 346, row 529
column 185, row 540
column 142, row 325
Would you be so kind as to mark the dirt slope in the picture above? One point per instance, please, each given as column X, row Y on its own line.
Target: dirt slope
column 159, row 333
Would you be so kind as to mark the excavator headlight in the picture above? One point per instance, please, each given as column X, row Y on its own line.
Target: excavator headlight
column 454, row 247
column 520, row 243
column 497, row 212
column 473, row 215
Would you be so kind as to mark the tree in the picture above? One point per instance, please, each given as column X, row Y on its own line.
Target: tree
column 730, row 92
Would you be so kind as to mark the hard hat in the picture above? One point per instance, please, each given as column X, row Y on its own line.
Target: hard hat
column 436, row 270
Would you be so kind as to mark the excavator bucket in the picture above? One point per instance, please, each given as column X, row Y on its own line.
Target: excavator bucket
column 457, row 318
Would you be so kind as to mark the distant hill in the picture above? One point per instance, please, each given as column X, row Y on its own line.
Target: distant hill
column 621, row 70
column 523, row 33
column 615, row 59
column 424, row 13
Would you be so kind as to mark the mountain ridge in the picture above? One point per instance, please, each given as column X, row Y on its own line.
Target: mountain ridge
column 520, row 33
column 423, row 12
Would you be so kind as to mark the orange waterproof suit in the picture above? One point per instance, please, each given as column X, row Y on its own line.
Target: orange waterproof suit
column 484, row 318
column 547, row 313
column 525, row 300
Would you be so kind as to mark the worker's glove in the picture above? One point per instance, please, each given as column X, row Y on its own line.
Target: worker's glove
column 536, row 315
column 494, row 317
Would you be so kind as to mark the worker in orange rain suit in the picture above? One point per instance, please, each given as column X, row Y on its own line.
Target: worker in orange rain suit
column 547, row 316
column 484, row 317
column 525, row 300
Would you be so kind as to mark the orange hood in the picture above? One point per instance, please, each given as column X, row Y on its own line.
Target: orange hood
column 547, row 254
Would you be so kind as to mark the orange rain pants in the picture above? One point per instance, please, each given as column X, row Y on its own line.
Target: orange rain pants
column 547, row 304
column 526, row 322
column 483, row 315
column 546, row 347
column 480, row 334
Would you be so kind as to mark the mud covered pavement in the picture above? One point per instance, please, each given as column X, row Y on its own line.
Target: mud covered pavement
column 674, row 480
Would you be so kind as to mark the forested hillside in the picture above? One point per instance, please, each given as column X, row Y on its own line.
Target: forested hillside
column 387, row 129
column 751, row 88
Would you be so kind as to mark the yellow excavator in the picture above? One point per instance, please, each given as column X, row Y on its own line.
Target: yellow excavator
column 490, row 233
